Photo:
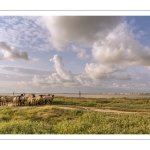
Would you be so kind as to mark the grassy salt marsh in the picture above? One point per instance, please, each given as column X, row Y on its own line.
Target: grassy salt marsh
column 56, row 119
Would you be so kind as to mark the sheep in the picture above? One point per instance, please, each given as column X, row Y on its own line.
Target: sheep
column 19, row 100
column 0, row 101
column 49, row 99
column 39, row 100
column 45, row 99
column 31, row 95
column 16, row 100
column 22, row 100
column 31, row 100
column 9, row 99
column 23, row 94
column 3, row 100
column 25, row 100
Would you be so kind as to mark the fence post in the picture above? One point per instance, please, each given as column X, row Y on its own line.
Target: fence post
column 79, row 94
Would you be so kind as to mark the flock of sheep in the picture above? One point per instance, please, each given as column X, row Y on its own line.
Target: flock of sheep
column 29, row 100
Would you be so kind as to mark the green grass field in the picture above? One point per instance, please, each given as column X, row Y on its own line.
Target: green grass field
column 51, row 119
column 124, row 104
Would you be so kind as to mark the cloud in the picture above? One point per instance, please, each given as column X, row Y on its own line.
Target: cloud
column 122, row 76
column 81, row 53
column 112, row 40
column 22, row 83
column 6, row 75
column 92, row 76
column 26, row 71
column 96, row 78
column 140, row 34
column 84, row 80
column 23, row 32
column 121, row 47
column 110, row 43
column 98, row 71
column 45, row 78
column 37, row 81
column 62, row 77
column 81, row 29
column 11, row 21
column 12, row 54
column 59, row 66
column 106, row 72
column 132, row 21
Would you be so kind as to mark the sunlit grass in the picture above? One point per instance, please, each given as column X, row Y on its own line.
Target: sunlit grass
column 50, row 119
column 105, row 123
column 126, row 104
column 25, row 127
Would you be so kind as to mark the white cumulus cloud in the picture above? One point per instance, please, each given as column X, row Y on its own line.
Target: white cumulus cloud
column 98, row 71
column 121, row 47
column 60, row 70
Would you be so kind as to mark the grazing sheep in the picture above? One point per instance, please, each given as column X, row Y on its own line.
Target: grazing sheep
column 9, row 99
column 45, row 99
column 16, row 100
column 3, row 101
column 31, row 95
column 19, row 100
column 39, row 100
column 49, row 99
column 25, row 100
column 22, row 100
column 0, row 101
column 31, row 101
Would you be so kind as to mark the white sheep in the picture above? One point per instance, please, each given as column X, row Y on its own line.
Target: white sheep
column 31, row 100
column 19, row 100
column 3, row 100
column 16, row 100
column 39, row 100
column 48, row 98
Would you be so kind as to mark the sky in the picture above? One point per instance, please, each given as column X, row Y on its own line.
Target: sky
column 65, row 54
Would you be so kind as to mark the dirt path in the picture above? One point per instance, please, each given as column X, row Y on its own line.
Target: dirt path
column 87, row 109
column 98, row 109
